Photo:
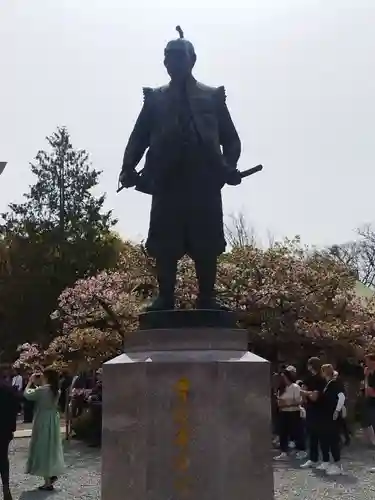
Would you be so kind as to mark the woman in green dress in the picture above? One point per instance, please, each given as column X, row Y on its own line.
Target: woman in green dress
column 46, row 457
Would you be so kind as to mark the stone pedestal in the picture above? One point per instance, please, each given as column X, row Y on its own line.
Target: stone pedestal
column 186, row 415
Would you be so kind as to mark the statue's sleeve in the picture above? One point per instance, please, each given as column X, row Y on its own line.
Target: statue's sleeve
column 139, row 139
column 228, row 135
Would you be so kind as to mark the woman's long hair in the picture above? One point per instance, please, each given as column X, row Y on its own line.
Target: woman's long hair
column 53, row 379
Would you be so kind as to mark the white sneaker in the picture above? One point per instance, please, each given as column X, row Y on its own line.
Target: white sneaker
column 301, row 455
column 372, row 470
column 309, row 465
column 334, row 470
column 282, row 456
column 323, row 466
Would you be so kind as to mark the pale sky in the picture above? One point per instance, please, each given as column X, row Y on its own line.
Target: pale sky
column 299, row 76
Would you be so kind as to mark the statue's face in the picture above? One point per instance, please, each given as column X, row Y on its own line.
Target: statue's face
column 178, row 60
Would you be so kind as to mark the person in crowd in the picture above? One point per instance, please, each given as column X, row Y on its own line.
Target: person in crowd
column 7, row 376
column 342, row 420
column 332, row 403
column 95, row 406
column 290, row 419
column 81, row 385
column 275, row 385
column 9, row 404
column 46, row 458
column 360, row 405
column 17, row 381
column 311, row 392
column 368, row 417
column 303, row 412
column 17, row 384
column 65, row 383
column 28, row 406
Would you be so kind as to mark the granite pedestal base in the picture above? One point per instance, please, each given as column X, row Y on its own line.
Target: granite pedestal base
column 186, row 415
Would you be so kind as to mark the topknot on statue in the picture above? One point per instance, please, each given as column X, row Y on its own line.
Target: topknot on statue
column 181, row 43
column 179, row 31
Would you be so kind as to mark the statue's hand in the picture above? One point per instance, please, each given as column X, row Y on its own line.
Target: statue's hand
column 234, row 178
column 128, row 178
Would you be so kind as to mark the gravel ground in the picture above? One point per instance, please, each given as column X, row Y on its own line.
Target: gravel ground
column 292, row 483
column 82, row 480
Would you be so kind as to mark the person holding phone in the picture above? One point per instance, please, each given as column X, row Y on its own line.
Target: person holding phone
column 46, row 458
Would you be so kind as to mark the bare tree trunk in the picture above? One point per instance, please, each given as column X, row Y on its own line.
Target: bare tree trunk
column 358, row 256
column 238, row 232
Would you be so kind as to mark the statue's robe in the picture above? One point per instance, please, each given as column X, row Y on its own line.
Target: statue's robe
column 192, row 146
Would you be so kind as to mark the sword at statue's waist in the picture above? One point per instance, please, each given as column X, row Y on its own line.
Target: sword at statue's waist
column 244, row 173
column 251, row 171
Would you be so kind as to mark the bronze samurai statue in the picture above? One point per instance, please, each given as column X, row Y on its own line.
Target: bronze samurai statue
column 192, row 152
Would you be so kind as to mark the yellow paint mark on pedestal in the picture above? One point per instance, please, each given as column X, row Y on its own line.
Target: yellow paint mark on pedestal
column 181, row 463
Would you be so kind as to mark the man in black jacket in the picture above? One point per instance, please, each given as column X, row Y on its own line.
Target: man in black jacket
column 9, row 404
column 312, row 390
column 95, row 405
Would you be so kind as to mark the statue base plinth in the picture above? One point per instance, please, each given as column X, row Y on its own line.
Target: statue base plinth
column 187, row 414
column 187, row 318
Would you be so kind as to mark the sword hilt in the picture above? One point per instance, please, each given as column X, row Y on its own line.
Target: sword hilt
column 251, row 171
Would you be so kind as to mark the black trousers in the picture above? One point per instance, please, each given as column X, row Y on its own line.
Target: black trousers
column 4, row 457
column 313, row 427
column 330, row 440
column 96, row 415
column 291, row 429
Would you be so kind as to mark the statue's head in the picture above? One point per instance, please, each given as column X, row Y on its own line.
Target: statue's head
column 179, row 57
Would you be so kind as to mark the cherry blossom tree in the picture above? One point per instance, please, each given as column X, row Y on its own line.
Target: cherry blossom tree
column 29, row 356
column 83, row 349
column 289, row 298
